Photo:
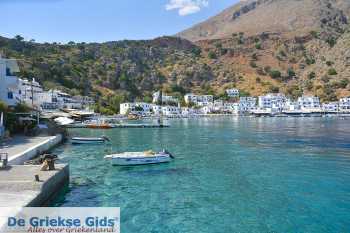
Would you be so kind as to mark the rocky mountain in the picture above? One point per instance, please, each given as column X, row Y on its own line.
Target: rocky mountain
column 258, row 46
column 290, row 17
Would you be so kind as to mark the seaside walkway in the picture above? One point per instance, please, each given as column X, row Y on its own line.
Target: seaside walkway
column 21, row 148
column 18, row 187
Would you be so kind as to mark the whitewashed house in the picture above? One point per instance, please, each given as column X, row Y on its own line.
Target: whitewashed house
column 9, row 83
column 246, row 104
column 309, row 104
column 332, row 107
column 30, row 92
column 272, row 102
column 136, row 108
column 291, row 106
column 208, row 109
column 229, row 107
column 199, row 100
column 157, row 110
column 185, row 111
column 344, row 104
column 168, row 99
column 232, row 93
column 171, row 111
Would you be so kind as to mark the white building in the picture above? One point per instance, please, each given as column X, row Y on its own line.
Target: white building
column 185, row 111
column 332, row 107
column 230, row 108
column 199, row 100
column 171, row 111
column 309, row 103
column 344, row 104
column 272, row 102
column 207, row 109
column 165, row 98
column 30, row 92
column 246, row 104
column 2, row 127
column 136, row 108
column 291, row 106
column 232, row 93
column 9, row 83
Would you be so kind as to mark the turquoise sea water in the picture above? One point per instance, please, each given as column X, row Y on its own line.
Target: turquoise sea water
column 230, row 175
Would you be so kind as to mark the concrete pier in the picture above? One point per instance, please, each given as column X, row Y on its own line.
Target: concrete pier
column 18, row 187
column 21, row 149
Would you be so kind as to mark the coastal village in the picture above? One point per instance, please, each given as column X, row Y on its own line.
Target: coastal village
column 55, row 103
column 31, row 185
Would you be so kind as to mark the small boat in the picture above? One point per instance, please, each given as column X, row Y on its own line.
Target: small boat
column 140, row 158
column 62, row 121
column 99, row 126
column 82, row 140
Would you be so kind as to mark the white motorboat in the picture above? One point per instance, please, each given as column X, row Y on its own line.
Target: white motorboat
column 64, row 121
column 140, row 158
column 83, row 140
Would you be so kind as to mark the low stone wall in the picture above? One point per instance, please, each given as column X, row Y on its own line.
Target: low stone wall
column 36, row 150
column 51, row 187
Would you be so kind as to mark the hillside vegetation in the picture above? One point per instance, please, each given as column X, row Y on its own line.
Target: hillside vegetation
column 302, row 60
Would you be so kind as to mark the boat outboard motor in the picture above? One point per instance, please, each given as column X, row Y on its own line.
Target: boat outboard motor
column 106, row 138
column 167, row 152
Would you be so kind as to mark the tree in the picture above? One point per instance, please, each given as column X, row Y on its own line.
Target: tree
column 291, row 73
column 312, row 75
column 212, row 55
column 344, row 82
column 331, row 41
column 332, row 71
column 275, row 74
column 19, row 38
column 258, row 45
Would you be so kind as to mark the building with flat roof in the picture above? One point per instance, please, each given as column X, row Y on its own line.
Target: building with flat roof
column 9, row 82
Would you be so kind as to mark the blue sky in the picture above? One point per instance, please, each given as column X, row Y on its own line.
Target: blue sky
column 102, row 20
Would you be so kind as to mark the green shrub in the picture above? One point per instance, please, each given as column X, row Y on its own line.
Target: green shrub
column 308, row 85
column 329, row 63
column 212, row 55
column 253, row 64
column 275, row 74
column 310, row 61
column 344, row 83
column 331, row 41
column 273, row 89
column 258, row 46
column 314, row 34
column 332, row 71
column 291, row 73
column 311, row 75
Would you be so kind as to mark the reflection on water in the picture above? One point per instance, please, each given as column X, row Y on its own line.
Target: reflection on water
column 230, row 175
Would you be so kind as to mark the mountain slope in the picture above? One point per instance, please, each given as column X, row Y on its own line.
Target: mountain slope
column 297, row 47
column 289, row 17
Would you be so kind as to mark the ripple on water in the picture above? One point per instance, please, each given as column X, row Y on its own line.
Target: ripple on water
column 230, row 175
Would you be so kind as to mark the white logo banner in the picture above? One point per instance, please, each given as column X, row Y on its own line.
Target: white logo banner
column 59, row 220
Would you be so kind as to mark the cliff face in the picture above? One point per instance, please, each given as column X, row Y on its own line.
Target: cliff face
column 290, row 17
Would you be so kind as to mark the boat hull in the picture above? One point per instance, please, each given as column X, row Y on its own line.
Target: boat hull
column 140, row 161
column 99, row 126
column 87, row 141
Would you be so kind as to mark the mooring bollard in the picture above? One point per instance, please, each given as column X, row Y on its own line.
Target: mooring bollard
column 37, row 179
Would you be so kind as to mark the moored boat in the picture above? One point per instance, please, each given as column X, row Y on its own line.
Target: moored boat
column 99, row 126
column 85, row 140
column 140, row 158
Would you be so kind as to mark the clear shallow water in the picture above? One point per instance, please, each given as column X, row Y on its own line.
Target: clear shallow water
column 230, row 175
